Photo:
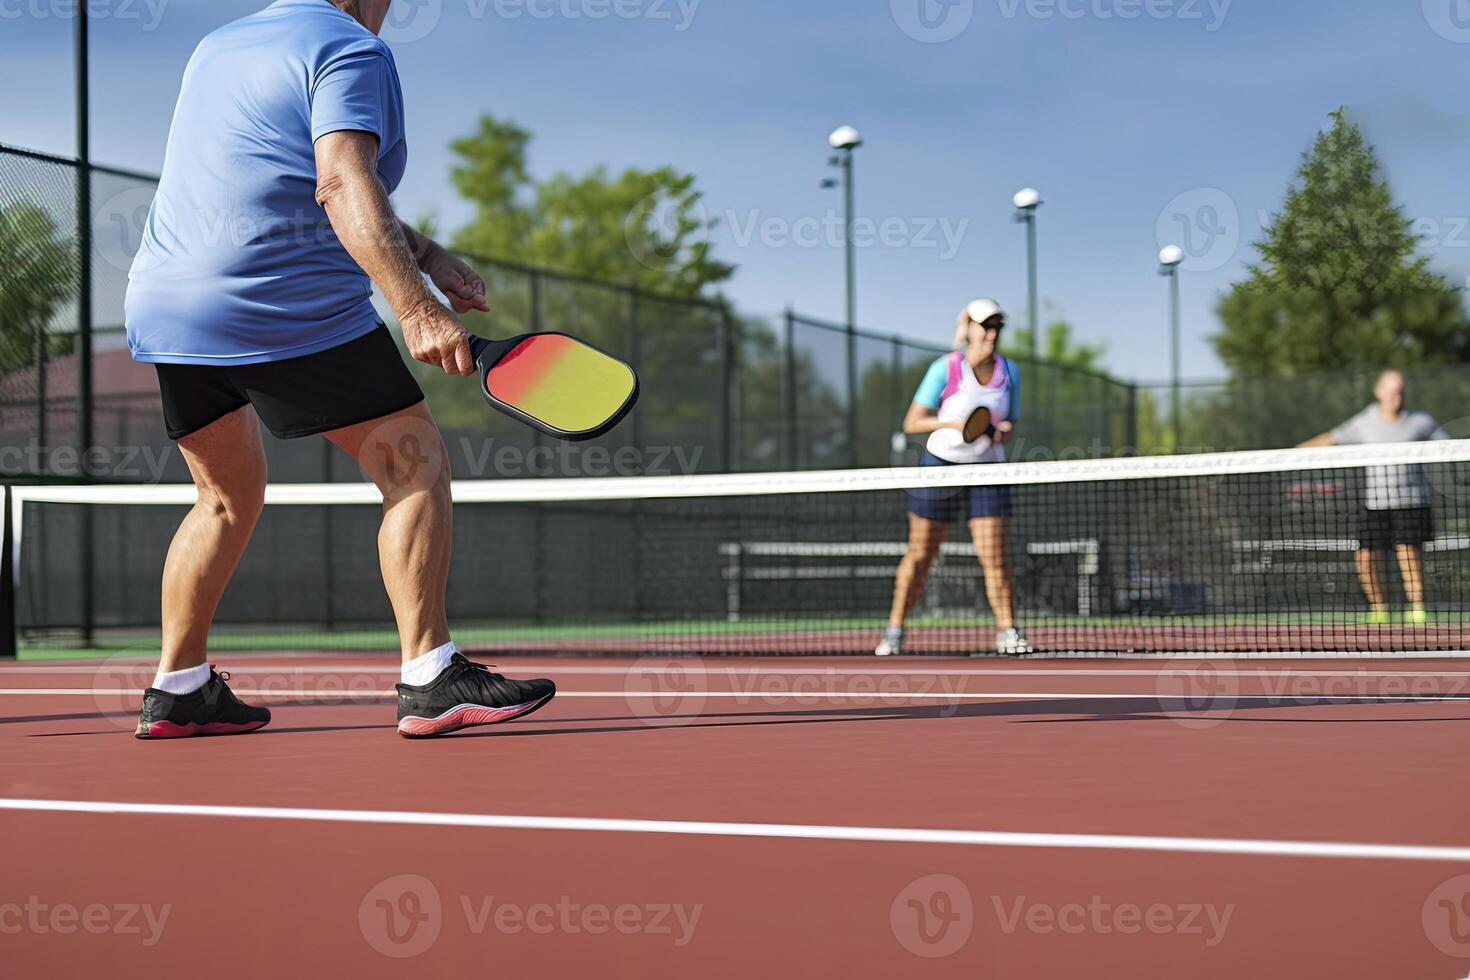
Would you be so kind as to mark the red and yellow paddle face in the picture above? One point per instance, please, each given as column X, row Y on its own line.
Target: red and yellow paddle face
column 561, row 383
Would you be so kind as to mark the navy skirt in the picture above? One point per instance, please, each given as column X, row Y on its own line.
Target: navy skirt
column 957, row 503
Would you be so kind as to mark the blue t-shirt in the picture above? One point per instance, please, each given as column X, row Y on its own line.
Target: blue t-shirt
column 238, row 263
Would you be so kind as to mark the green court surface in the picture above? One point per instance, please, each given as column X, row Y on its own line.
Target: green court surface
column 308, row 638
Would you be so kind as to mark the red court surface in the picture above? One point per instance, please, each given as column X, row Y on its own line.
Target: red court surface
column 835, row 818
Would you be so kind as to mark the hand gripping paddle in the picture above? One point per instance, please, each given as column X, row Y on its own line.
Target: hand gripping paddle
column 555, row 383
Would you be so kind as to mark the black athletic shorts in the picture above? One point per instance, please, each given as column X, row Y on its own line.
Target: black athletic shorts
column 1381, row 530
column 361, row 380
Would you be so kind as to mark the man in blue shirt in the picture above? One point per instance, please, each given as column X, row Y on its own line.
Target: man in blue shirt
column 251, row 294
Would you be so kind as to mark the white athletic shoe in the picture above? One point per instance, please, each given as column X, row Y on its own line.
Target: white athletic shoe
column 886, row 649
column 1010, row 643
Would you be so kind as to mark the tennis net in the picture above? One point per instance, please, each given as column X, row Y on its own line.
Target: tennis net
column 1240, row 553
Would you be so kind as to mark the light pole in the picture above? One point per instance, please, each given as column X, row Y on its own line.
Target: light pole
column 1169, row 260
column 1027, row 200
column 845, row 139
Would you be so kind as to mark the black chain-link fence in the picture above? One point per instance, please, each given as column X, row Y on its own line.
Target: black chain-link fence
column 1066, row 412
column 720, row 392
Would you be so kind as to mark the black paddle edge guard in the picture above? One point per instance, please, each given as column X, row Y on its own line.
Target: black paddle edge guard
column 487, row 354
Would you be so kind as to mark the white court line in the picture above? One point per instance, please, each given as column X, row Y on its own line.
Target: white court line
column 793, row 695
column 893, row 835
column 660, row 666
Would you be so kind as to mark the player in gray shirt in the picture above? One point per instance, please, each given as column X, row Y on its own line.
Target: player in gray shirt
column 1396, row 513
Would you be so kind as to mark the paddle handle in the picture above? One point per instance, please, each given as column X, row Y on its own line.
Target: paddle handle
column 480, row 349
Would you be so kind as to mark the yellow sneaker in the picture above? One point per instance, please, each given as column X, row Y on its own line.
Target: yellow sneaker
column 1378, row 617
column 1417, row 616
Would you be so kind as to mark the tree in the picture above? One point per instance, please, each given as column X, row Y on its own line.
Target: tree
column 1057, row 347
column 1337, row 286
column 596, row 235
column 642, row 228
column 37, row 277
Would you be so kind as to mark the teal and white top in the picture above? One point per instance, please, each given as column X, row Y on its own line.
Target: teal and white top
column 951, row 389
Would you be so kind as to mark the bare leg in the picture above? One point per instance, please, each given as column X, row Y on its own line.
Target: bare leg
column 404, row 455
column 1411, row 564
column 1368, row 575
column 227, row 463
column 989, row 535
column 925, row 537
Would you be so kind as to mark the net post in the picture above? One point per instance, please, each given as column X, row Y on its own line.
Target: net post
column 792, row 433
column 1131, row 422
column 538, row 517
column 84, row 307
column 329, row 534
column 8, row 644
column 41, row 356
column 727, row 389
column 635, row 355
column 895, row 406
column 852, row 396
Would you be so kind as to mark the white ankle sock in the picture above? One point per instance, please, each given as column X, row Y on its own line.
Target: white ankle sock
column 185, row 681
column 424, row 668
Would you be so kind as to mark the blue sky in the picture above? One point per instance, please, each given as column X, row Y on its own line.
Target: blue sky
column 1143, row 122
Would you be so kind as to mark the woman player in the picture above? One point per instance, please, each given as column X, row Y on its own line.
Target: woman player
column 973, row 376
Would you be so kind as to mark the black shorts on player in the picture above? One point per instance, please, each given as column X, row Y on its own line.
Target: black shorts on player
column 358, row 381
column 467, row 694
column 1383, row 530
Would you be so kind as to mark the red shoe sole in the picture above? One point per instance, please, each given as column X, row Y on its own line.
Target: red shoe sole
column 466, row 716
column 168, row 729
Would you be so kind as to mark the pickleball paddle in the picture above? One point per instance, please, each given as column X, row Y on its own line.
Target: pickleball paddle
column 978, row 424
column 556, row 383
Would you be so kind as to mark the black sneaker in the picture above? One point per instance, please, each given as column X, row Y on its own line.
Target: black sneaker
column 211, row 710
column 466, row 694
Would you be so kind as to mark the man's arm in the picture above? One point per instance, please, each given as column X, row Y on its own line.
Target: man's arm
column 456, row 279
column 1317, row 442
column 347, row 186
